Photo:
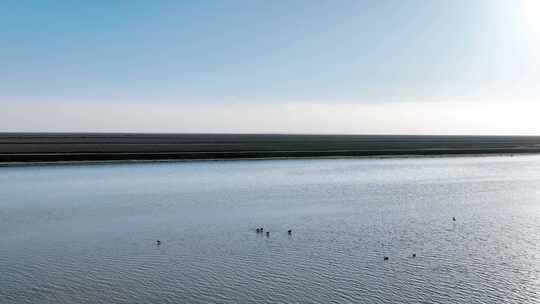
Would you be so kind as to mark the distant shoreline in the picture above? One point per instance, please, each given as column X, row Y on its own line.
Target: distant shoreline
column 150, row 161
column 76, row 148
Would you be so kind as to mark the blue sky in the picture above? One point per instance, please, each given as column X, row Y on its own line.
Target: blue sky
column 289, row 66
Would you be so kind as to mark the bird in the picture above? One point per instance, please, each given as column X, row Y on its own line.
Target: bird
column 289, row 231
column 454, row 218
column 385, row 258
column 158, row 242
column 414, row 255
column 261, row 229
column 267, row 233
column 258, row 230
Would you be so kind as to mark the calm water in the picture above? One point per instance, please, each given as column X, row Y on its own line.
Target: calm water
column 86, row 234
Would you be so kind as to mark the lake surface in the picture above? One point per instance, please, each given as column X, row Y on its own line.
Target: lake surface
column 86, row 233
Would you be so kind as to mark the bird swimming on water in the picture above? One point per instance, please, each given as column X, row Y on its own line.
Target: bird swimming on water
column 414, row 255
column 267, row 233
column 258, row 230
column 289, row 231
column 454, row 218
column 158, row 242
column 385, row 258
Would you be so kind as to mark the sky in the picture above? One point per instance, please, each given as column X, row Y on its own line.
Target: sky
column 330, row 67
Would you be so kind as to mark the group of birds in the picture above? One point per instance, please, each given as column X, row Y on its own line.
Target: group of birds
column 261, row 230
column 386, row 258
column 289, row 232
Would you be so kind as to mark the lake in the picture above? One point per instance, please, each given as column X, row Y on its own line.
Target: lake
column 87, row 233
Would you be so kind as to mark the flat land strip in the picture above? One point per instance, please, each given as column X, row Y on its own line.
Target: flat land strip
column 54, row 147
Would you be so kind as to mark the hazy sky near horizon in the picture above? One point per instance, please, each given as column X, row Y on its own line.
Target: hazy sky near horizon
column 402, row 67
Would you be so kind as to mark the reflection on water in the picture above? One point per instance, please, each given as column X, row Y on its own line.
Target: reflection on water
column 87, row 234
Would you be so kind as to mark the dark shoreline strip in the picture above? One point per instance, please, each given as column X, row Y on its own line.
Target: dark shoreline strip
column 50, row 147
